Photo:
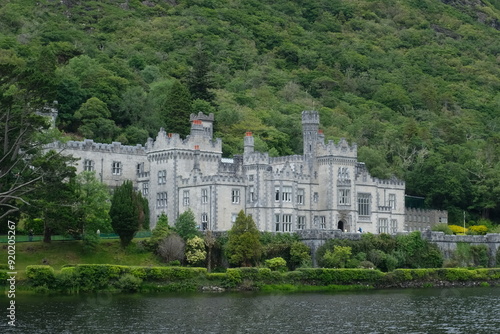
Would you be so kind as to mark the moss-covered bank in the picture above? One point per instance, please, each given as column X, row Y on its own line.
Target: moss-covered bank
column 98, row 277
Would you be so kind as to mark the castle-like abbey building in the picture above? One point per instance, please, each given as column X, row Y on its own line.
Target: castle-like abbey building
column 325, row 188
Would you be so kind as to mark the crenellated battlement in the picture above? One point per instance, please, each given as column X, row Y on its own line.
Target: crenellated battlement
column 90, row 145
column 342, row 148
column 172, row 141
column 395, row 182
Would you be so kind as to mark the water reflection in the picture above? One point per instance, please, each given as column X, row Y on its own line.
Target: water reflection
column 472, row 310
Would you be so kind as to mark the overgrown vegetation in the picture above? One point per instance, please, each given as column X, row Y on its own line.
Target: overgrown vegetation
column 382, row 251
column 414, row 83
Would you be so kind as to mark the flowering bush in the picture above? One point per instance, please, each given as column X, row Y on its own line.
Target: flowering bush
column 457, row 229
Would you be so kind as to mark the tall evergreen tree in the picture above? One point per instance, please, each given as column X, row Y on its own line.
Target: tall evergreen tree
column 243, row 246
column 199, row 81
column 178, row 109
column 125, row 212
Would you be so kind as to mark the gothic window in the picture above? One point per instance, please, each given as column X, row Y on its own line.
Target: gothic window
column 204, row 195
column 287, row 194
column 301, row 222
column 383, row 225
column 145, row 188
column 320, row 221
column 315, row 197
column 364, row 204
column 235, row 196
column 161, row 200
column 204, row 221
column 394, row 226
column 88, row 165
column 185, row 198
column 287, row 223
column 392, row 201
column 300, row 196
column 251, row 194
column 140, row 168
column 344, row 197
column 343, row 173
column 250, row 177
column 276, row 193
column 116, row 168
column 162, row 177
column 277, row 222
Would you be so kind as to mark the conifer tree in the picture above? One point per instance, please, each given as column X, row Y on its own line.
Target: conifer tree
column 178, row 109
column 125, row 212
column 243, row 247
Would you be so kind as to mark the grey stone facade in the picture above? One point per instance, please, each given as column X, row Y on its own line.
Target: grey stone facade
column 325, row 188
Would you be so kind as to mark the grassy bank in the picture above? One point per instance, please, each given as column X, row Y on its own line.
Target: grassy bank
column 62, row 253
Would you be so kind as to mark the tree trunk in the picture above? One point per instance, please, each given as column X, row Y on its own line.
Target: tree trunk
column 47, row 234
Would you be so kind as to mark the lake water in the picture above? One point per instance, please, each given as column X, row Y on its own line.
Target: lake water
column 465, row 310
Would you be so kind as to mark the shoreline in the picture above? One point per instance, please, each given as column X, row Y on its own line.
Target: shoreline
column 129, row 279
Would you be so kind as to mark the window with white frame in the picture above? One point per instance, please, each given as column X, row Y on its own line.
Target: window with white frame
column 233, row 217
column 185, row 197
column 162, row 177
column 364, row 204
column 300, row 196
column 276, row 193
column 204, row 221
column 394, row 226
column 343, row 173
column 383, row 225
column 301, row 222
column 145, row 188
column 392, row 201
column 140, row 168
column 287, row 194
column 116, row 168
column 235, row 196
column 344, row 196
column 287, row 223
column 161, row 200
column 251, row 193
column 88, row 165
column 320, row 221
column 315, row 197
column 277, row 221
column 204, row 195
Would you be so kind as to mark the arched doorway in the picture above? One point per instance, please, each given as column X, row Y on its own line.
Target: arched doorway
column 340, row 225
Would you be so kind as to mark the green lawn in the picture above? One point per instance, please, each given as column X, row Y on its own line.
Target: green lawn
column 60, row 253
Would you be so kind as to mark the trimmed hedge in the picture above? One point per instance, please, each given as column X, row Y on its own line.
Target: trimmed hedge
column 326, row 276
column 40, row 275
column 92, row 277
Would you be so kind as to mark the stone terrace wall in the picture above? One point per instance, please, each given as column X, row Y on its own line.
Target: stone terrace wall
column 446, row 243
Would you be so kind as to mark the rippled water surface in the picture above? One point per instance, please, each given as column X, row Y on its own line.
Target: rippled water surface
column 468, row 310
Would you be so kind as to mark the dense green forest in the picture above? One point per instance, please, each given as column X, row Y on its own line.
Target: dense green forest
column 415, row 83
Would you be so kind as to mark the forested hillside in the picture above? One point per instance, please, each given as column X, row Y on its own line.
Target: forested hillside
column 415, row 83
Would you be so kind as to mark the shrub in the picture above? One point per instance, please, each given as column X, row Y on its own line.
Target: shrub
column 40, row 275
column 233, row 278
column 195, row 251
column 442, row 228
column 171, row 248
column 458, row 229
column 338, row 258
column 173, row 273
column 277, row 264
column 478, row 229
column 129, row 283
column 324, row 276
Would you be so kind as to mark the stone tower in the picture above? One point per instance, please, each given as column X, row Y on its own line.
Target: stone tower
column 310, row 127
